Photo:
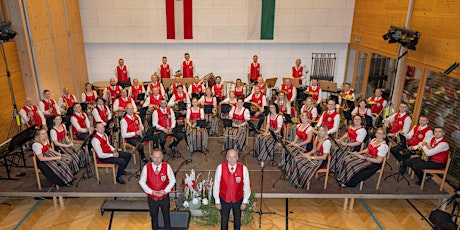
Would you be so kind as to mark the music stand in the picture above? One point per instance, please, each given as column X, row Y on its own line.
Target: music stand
column 328, row 86
column 208, row 109
column 181, row 106
column 287, row 118
column 294, row 81
column 228, row 123
column 225, row 108
column 167, row 82
column 141, row 96
column 187, row 81
column 271, row 82
column 201, row 123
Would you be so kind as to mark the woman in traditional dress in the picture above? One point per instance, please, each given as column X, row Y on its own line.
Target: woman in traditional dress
column 231, row 99
column 283, row 103
column 235, row 137
column 89, row 96
column 362, row 109
column 63, row 144
column 265, row 144
column 302, row 140
column 361, row 165
column 305, row 166
column 239, row 89
column 197, row 137
column 55, row 166
column 309, row 108
column 209, row 99
column 349, row 142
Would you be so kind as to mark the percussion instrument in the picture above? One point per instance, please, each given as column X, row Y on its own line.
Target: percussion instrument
column 210, row 79
column 100, row 86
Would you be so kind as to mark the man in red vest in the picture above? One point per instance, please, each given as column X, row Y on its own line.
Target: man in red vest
column 315, row 91
column 378, row 102
column 297, row 71
column 164, row 69
column 437, row 149
column 188, row 67
column 48, row 106
column 121, row 102
column 218, row 90
column 67, row 100
column 132, row 131
column 418, row 133
column 135, row 90
column 254, row 70
column 290, row 89
column 81, row 127
column 157, row 180
column 112, row 91
column 122, row 73
column 399, row 122
column 258, row 98
column 164, row 120
column 101, row 113
column 31, row 115
column 330, row 118
column 196, row 89
column 107, row 153
column 231, row 189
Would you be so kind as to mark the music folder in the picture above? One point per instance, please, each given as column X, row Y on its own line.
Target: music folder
column 201, row 123
column 328, row 86
column 208, row 109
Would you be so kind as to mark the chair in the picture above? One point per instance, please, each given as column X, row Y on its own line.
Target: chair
column 75, row 141
column 98, row 164
column 324, row 169
column 442, row 171
column 37, row 171
column 127, row 145
column 380, row 172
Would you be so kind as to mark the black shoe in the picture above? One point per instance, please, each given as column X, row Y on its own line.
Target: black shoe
column 428, row 178
column 402, row 168
column 144, row 159
column 124, row 173
column 121, row 181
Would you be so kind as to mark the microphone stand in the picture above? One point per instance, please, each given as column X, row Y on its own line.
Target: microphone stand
column 85, row 146
column 260, row 212
column 137, row 174
column 175, row 185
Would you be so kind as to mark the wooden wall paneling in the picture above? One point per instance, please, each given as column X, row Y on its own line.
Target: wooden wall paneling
column 81, row 69
column 38, row 18
column 57, row 17
column 73, row 14
column 46, row 63
column 64, row 59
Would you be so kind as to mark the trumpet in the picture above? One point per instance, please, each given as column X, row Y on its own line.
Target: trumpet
column 423, row 155
column 256, row 108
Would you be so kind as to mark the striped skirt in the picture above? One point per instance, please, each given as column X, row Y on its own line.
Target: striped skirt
column 235, row 138
column 302, row 170
column 265, row 147
column 77, row 156
column 197, row 140
column 212, row 121
column 351, row 166
column 338, row 154
column 62, row 169
column 287, row 160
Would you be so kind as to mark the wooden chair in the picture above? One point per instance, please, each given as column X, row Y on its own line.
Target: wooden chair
column 380, row 172
column 442, row 171
column 324, row 169
column 126, row 145
column 74, row 140
column 37, row 173
column 98, row 164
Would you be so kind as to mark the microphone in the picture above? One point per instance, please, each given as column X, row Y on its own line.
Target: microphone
column 188, row 161
column 261, row 164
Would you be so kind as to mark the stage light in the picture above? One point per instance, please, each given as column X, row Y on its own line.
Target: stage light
column 405, row 37
column 6, row 33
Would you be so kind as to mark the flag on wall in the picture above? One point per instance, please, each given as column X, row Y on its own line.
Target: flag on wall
column 179, row 19
column 261, row 19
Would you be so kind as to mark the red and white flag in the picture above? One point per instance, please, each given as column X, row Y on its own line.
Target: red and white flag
column 179, row 19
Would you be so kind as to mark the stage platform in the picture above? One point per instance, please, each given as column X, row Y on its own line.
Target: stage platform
column 389, row 189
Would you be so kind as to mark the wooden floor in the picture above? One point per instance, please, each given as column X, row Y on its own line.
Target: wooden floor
column 84, row 213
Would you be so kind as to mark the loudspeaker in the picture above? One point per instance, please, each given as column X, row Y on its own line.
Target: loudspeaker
column 180, row 220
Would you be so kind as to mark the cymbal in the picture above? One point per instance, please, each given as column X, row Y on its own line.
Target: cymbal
column 439, row 92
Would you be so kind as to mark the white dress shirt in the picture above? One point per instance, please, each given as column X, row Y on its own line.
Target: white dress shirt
column 143, row 178
column 246, row 181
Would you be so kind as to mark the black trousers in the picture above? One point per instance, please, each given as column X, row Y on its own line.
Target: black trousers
column 81, row 136
column 417, row 164
column 122, row 161
column 225, row 213
column 400, row 156
column 154, row 207
column 135, row 140
column 178, row 136
column 364, row 175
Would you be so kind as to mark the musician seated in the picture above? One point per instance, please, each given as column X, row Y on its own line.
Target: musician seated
column 48, row 106
column 31, row 115
column 436, row 149
column 81, row 126
column 302, row 141
column 305, row 165
column 135, row 90
column 359, row 166
column 261, row 84
column 155, row 82
column 259, row 99
column 67, row 100
column 197, row 137
column 347, row 100
column 164, row 120
column 265, row 143
column 290, row 89
column 378, row 103
column 236, row 135
column 196, row 89
column 399, row 122
column 231, row 99
column 283, row 104
column 349, row 142
column 121, row 102
column 309, row 108
column 112, row 91
column 209, row 101
column 403, row 150
column 153, row 100
column 105, row 152
column 132, row 129
column 218, row 89
column 315, row 91
column 362, row 109
column 239, row 89
column 180, row 96
column 63, row 144
column 89, row 96
column 101, row 113
column 330, row 118
column 175, row 85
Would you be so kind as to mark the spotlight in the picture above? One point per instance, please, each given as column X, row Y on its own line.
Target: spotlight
column 6, row 33
column 405, row 37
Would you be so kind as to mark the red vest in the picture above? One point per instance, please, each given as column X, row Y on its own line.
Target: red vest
column 195, row 116
column 398, row 123
column 197, row 88
column 450, row 91
column 282, row 108
column 164, row 71
column 231, row 185
column 255, row 71
column 103, row 113
column 319, row 147
column 263, row 88
column 239, row 117
column 373, row 150
column 302, row 134
column 156, row 84
column 164, row 119
column 136, row 91
column 114, row 93
column 36, row 119
column 288, row 90
column 328, row 119
column 187, row 69
column 174, row 86
column 378, row 106
column 440, row 157
column 310, row 114
column 48, row 106
column 104, row 141
column 122, row 103
column 418, row 136
column 218, row 90
column 90, row 99
column 69, row 100
column 60, row 134
column 258, row 100
column 122, row 74
column 297, row 73
column 274, row 122
column 315, row 92
column 154, row 101
column 352, row 134
column 206, row 102
column 181, row 97
column 81, row 121
column 157, row 182
column 238, row 93
column 133, row 125
column 45, row 147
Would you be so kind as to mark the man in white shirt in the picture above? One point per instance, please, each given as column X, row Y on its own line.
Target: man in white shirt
column 258, row 98
column 67, row 100
column 330, row 118
column 399, row 122
column 81, row 126
column 48, row 106
column 121, row 102
column 31, row 115
column 231, row 189
column 164, row 120
column 132, row 130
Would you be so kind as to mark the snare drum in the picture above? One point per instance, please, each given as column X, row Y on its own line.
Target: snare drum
column 100, row 86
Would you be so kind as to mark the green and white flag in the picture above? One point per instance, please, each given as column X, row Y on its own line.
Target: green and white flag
column 261, row 19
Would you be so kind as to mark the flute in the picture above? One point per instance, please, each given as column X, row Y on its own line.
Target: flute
column 301, row 156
